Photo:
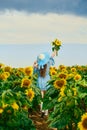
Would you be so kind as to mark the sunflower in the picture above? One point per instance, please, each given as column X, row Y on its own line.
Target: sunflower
column 62, row 67
column 1, row 65
column 53, row 72
column 57, row 42
column 82, row 125
column 1, row 110
column 53, row 68
column 15, row 106
column 4, row 75
column 74, row 91
column 73, row 69
column 62, row 75
column 21, row 70
column 26, row 82
column 62, row 91
column 28, row 71
column 79, row 67
column 30, row 93
column 71, row 75
column 77, row 77
column 7, row 69
column 7, row 74
column 62, row 94
column 4, row 105
column 59, row 83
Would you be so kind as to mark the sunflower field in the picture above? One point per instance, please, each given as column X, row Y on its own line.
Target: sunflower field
column 66, row 98
column 18, row 95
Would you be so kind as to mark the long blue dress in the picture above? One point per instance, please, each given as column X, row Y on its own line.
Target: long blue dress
column 42, row 81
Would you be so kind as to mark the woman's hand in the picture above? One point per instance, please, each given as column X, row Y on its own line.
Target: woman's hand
column 54, row 53
column 35, row 65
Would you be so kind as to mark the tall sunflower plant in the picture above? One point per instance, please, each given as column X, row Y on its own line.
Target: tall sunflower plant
column 66, row 98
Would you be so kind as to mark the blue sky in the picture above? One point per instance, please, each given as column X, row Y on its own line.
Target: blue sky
column 25, row 54
column 27, row 27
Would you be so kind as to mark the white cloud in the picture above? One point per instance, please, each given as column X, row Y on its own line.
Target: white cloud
column 20, row 27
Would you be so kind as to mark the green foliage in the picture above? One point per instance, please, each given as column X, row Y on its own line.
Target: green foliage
column 17, row 120
column 70, row 103
column 50, row 98
column 14, row 103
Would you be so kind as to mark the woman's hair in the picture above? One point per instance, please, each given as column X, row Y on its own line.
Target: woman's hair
column 43, row 71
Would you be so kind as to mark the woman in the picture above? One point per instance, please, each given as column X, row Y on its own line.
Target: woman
column 41, row 67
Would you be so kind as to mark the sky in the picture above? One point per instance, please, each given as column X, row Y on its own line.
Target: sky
column 28, row 27
column 25, row 54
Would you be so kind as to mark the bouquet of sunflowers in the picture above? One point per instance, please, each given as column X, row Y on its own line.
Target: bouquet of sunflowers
column 56, row 44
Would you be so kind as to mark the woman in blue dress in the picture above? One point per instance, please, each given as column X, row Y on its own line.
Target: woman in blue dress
column 41, row 67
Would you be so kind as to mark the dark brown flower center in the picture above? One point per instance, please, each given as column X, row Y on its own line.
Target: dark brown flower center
column 60, row 83
column 62, row 76
column 26, row 83
column 84, row 123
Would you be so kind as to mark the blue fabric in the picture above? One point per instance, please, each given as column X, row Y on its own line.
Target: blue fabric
column 42, row 62
column 42, row 81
